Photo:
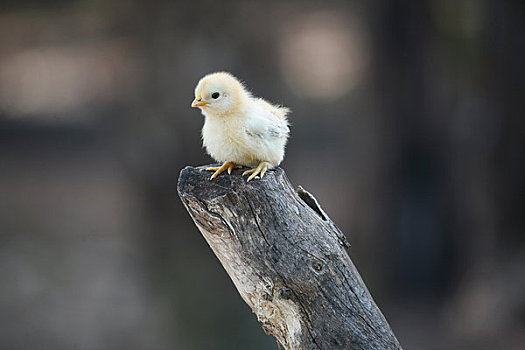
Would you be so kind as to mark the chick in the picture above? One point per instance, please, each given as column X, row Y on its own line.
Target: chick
column 239, row 129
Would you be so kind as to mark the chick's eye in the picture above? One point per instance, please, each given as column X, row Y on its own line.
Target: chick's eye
column 215, row 95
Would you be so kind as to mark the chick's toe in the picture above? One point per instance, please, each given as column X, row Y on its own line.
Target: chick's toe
column 226, row 166
column 259, row 170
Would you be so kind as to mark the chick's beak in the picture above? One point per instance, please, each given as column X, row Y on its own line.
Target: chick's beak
column 198, row 102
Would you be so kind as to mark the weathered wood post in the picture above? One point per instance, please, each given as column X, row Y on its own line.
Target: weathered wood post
column 287, row 259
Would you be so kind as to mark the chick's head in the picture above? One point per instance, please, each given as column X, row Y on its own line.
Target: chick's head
column 218, row 94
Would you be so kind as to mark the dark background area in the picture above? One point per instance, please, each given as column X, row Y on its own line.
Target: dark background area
column 407, row 125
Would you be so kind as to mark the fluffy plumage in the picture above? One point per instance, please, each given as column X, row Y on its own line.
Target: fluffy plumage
column 239, row 129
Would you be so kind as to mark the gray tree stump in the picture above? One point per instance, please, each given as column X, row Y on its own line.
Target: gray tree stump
column 287, row 259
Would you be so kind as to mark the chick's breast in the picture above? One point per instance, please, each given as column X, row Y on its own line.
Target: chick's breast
column 224, row 138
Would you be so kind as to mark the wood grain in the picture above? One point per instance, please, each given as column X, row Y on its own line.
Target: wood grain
column 287, row 259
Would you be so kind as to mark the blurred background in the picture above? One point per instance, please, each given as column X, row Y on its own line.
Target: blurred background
column 407, row 125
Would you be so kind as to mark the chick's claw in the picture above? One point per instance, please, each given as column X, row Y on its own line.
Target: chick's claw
column 226, row 166
column 259, row 170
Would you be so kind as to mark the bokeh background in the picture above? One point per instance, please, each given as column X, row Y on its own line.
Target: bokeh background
column 407, row 125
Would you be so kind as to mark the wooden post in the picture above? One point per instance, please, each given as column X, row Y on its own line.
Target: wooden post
column 287, row 259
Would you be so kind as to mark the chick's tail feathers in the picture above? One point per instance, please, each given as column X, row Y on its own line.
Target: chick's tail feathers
column 279, row 111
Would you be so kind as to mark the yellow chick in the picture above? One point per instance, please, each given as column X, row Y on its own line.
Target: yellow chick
column 239, row 129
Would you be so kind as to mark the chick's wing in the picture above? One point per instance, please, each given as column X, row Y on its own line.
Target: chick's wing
column 264, row 121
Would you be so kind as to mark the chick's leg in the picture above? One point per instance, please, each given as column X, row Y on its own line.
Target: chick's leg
column 227, row 165
column 259, row 170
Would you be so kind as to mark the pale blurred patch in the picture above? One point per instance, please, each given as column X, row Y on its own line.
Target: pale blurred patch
column 57, row 80
column 323, row 54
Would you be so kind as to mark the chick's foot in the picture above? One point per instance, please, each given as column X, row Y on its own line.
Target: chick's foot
column 226, row 166
column 259, row 170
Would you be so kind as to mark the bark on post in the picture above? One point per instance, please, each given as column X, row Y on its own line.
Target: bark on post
column 287, row 259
